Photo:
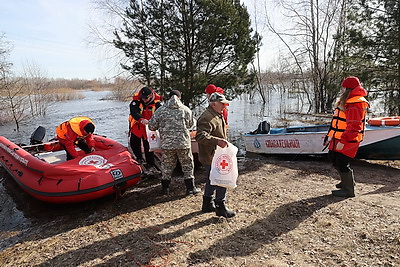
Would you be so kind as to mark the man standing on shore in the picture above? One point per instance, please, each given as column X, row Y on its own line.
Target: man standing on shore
column 173, row 120
column 211, row 132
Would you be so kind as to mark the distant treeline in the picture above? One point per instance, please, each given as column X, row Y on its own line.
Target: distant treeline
column 22, row 98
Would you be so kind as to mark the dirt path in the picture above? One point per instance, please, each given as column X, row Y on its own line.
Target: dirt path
column 286, row 217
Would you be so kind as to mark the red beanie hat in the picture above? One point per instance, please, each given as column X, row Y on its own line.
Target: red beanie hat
column 220, row 90
column 211, row 88
column 351, row 82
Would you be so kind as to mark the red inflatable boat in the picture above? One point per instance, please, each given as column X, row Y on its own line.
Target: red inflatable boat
column 49, row 177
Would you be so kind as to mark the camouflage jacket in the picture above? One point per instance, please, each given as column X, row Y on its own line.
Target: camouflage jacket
column 173, row 120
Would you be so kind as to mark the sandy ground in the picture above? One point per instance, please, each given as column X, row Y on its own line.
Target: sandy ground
column 285, row 217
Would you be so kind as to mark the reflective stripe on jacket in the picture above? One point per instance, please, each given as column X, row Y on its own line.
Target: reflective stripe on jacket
column 142, row 111
column 146, row 113
column 339, row 124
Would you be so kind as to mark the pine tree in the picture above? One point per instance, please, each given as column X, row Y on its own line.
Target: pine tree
column 186, row 44
column 373, row 51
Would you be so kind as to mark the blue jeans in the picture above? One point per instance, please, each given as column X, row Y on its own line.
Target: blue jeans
column 220, row 192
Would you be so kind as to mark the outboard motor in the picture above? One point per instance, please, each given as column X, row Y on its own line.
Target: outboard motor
column 38, row 136
column 263, row 128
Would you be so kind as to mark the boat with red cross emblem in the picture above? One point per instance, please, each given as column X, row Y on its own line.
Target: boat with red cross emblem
column 48, row 176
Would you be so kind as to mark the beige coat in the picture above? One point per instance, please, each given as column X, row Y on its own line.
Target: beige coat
column 210, row 128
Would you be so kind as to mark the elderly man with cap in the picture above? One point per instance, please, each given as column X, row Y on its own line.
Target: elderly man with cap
column 211, row 132
column 76, row 131
column 142, row 107
column 211, row 88
column 173, row 120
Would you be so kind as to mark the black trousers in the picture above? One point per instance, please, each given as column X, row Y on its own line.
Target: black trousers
column 136, row 145
column 339, row 161
column 81, row 143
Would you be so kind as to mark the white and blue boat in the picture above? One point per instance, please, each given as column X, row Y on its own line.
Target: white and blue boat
column 380, row 142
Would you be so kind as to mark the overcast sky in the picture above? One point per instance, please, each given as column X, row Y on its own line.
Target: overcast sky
column 51, row 34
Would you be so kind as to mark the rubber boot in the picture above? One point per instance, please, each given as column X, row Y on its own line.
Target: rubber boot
column 191, row 188
column 208, row 204
column 347, row 189
column 221, row 210
column 165, row 187
column 339, row 185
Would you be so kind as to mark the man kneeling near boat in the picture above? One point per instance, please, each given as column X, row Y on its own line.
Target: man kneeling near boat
column 78, row 132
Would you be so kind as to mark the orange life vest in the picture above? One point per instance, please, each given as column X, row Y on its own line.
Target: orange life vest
column 74, row 123
column 339, row 125
column 145, row 112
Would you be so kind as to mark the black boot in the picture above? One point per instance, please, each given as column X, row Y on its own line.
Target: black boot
column 347, row 189
column 339, row 185
column 165, row 187
column 221, row 210
column 208, row 204
column 191, row 188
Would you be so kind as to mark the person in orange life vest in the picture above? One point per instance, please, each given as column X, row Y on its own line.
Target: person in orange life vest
column 142, row 107
column 211, row 88
column 346, row 132
column 77, row 131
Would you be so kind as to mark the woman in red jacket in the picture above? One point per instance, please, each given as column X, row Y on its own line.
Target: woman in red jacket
column 346, row 132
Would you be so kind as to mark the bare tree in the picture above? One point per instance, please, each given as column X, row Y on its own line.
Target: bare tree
column 124, row 89
column 112, row 13
column 14, row 98
column 37, row 86
column 311, row 42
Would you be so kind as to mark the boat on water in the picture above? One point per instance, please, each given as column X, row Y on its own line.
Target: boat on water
column 48, row 176
column 380, row 142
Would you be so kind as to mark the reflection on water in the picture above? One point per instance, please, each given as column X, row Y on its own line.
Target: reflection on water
column 111, row 119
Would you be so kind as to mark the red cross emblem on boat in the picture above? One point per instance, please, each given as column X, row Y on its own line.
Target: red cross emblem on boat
column 94, row 160
column 224, row 164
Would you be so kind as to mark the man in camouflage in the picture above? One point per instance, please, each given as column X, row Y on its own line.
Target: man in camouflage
column 173, row 120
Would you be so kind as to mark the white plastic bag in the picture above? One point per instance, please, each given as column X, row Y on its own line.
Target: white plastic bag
column 224, row 169
column 153, row 137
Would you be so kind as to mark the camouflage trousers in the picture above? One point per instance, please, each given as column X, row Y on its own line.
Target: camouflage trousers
column 170, row 158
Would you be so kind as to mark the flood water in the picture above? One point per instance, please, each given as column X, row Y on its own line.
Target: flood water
column 18, row 209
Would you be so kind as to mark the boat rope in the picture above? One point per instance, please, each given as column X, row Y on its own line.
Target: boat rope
column 9, row 166
column 161, row 251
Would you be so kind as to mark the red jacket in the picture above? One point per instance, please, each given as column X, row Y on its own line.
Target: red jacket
column 67, row 136
column 355, row 124
column 140, row 110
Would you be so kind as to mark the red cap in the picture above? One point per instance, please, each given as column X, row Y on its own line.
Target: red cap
column 351, row 82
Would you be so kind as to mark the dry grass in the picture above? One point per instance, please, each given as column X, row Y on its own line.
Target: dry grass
column 285, row 217
column 64, row 94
